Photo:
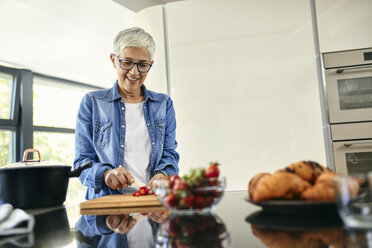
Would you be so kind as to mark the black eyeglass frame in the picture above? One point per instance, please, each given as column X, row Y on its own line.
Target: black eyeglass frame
column 133, row 64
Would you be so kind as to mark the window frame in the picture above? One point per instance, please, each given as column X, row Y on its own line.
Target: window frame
column 21, row 117
column 12, row 122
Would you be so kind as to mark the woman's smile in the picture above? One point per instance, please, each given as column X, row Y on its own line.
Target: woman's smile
column 130, row 81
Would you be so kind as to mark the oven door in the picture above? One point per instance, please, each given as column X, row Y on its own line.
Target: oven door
column 349, row 93
column 353, row 156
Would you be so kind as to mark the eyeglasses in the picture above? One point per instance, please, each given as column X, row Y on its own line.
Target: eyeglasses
column 128, row 65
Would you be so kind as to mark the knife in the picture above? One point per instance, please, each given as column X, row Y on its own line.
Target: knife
column 137, row 184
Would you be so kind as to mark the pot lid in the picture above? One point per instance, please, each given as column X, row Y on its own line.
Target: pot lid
column 37, row 163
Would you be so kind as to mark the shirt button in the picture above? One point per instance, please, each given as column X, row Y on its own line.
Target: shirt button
column 122, row 108
column 148, row 124
column 144, row 107
column 123, row 126
column 153, row 143
column 122, row 145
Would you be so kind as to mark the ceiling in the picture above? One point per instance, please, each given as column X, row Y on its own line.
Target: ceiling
column 71, row 39
column 138, row 5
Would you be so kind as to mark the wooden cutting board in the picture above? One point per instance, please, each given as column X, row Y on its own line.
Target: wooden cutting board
column 121, row 201
column 122, row 211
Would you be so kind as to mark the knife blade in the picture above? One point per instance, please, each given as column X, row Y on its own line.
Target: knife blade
column 137, row 184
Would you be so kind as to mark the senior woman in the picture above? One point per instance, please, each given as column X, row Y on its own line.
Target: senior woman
column 127, row 131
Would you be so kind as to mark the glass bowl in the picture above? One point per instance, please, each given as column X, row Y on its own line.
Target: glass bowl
column 183, row 198
column 206, row 230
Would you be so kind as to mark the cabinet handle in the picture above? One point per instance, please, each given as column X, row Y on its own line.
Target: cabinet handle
column 360, row 67
column 347, row 145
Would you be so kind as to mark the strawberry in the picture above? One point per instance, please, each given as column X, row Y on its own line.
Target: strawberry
column 136, row 193
column 172, row 179
column 209, row 200
column 212, row 170
column 199, row 202
column 187, row 201
column 170, row 200
column 179, row 184
column 143, row 190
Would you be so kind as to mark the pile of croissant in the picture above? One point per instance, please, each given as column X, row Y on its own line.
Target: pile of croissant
column 305, row 180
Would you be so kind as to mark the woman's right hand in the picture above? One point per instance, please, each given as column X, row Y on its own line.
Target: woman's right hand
column 118, row 178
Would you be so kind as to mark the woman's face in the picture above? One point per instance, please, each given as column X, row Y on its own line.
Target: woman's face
column 131, row 80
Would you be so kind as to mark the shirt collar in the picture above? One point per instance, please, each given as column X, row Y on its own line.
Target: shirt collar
column 147, row 93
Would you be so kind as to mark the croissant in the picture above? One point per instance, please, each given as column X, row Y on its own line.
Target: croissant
column 324, row 188
column 252, row 185
column 280, row 184
column 307, row 170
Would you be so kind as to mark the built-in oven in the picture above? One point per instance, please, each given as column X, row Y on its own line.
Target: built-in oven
column 348, row 85
column 348, row 78
column 352, row 147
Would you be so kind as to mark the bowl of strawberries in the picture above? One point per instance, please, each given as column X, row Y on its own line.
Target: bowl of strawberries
column 194, row 193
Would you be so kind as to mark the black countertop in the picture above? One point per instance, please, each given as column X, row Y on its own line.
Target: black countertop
column 234, row 223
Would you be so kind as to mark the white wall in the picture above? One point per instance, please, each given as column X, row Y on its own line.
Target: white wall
column 244, row 79
column 245, row 85
column 344, row 24
column 151, row 19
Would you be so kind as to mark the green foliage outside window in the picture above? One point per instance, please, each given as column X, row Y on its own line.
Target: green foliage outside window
column 4, row 146
column 4, row 96
column 4, row 114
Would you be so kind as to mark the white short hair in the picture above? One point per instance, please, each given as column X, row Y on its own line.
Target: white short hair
column 134, row 37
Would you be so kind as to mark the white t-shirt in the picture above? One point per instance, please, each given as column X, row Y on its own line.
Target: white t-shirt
column 137, row 147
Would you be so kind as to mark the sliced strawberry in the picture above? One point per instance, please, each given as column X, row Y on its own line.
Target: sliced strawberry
column 143, row 190
column 136, row 193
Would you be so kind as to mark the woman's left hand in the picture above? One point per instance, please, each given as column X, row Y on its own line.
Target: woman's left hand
column 158, row 176
column 158, row 217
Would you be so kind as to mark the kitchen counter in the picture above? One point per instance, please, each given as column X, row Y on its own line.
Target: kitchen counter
column 235, row 223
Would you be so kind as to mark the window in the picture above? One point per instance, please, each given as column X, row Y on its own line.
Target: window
column 8, row 115
column 47, row 120
column 56, row 103
column 6, row 86
column 59, row 147
column 6, row 146
column 55, row 106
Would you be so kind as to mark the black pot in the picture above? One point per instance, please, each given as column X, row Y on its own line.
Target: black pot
column 35, row 184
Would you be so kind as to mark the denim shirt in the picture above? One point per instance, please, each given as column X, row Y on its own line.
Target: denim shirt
column 100, row 136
